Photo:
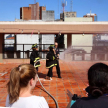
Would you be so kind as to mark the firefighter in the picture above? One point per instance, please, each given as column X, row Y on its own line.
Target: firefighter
column 34, row 57
column 50, row 61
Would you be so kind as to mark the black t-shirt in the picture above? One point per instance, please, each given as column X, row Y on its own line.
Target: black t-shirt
column 90, row 102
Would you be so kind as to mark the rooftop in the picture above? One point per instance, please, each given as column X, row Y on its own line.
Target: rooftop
column 74, row 78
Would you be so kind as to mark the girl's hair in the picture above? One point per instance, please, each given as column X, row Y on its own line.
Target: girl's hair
column 19, row 78
column 98, row 79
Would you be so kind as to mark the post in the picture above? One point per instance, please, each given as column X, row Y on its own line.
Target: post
column 69, row 40
column 1, row 47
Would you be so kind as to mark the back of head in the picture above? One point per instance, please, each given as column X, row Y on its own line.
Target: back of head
column 19, row 78
column 98, row 79
column 34, row 46
column 51, row 47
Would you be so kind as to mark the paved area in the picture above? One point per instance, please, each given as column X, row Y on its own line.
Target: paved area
column 74, row 78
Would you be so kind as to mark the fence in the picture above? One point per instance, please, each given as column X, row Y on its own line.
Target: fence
column 23, row 51
column 86, row 53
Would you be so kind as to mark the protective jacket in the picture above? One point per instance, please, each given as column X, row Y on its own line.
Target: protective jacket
column 35, row 59
column 50, row 60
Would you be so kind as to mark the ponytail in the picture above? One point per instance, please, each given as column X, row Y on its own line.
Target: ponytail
column 14, row 85
column 19, row 78
column 96, row 92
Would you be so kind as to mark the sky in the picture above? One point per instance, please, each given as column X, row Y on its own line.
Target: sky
column 10, row 9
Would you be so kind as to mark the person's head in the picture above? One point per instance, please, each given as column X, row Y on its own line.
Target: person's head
column 35, row 47
column 56, row 44
column 23, row 76
column 98, row 79
column 51, row 47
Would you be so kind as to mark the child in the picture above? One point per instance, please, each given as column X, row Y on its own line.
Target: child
column 34, row 57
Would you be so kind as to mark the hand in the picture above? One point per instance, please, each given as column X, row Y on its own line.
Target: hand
column 69, row 94
column 87, row 90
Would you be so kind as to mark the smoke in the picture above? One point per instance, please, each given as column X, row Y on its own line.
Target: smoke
column 67, row 54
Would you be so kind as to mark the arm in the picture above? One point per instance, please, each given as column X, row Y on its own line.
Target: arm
column 49, row 57
column 68, row 106
column 32, row 56
column 70, row 95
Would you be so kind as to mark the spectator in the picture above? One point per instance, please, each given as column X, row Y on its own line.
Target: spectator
column 98, row 88
column 22, row 80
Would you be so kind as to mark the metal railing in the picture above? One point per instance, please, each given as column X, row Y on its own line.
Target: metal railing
column 86, row 53
column 23, row 51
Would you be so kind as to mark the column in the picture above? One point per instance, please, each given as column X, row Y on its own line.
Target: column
column 1, row 47
column 69, row 40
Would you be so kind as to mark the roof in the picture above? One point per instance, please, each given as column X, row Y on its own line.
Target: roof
column 10, row 38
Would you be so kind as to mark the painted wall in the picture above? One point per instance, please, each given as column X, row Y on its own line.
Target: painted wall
column 26, row 39
column 78, row 39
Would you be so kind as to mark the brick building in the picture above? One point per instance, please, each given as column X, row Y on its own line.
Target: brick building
column 30, row 13
column 36, row 12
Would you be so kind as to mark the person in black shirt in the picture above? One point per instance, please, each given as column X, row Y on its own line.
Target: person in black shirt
column 50, row 61
column 34, row 57
column 98, row 88
column 57, row 60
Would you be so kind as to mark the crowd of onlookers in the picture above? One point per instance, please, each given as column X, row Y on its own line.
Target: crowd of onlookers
column 24, row 78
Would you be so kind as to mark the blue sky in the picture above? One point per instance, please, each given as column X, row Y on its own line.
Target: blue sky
column 10, row 9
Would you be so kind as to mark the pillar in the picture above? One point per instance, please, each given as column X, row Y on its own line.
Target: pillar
column 69, row 40
column 1, row 47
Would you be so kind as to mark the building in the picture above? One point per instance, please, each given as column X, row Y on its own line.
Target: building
column 48, row 16
column 94, row 16
column 30, row 13
column 67, row 15
column 25, row 13
column 41, row 8
column 79, row 39
column 34, row 12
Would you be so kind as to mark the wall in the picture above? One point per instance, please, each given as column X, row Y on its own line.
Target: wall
column 78, row 39
column 35, row 11
column 48, row 16
column 41, row 9
column 26, row 13
column 78, row 19
column 26, row 39
column 47, row 39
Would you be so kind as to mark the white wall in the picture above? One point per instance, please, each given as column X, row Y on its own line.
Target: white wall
column 78, row 39
column 26, row 39
column 47, row 39
column 78, row 19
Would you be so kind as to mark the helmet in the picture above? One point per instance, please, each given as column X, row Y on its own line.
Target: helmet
column 51, row 46
column 34, row 46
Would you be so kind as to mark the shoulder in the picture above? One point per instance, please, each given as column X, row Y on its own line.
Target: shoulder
column 41, row 101
column 82, row 103
column 90, row 102
column 39, row 98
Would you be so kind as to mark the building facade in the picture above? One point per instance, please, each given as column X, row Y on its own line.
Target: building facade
column 94, row 16
column 36, row 12
column 67, row 15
